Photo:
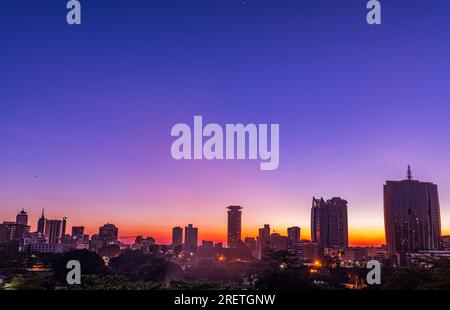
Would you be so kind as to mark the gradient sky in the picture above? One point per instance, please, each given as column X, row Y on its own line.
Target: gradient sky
column 86, row 111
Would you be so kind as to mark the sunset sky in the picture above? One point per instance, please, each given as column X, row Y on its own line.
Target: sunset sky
column 86, row 111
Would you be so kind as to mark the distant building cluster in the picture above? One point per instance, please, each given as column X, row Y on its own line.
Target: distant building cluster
column 411, row 217
column 51, row 236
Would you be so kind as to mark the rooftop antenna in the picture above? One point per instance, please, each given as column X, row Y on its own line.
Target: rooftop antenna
column 409, row 174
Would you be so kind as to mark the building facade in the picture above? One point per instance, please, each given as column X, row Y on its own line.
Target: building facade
column 329, row 224
column 108, row 234
column 411, row 216
column 22, row 218
column 190, row 238
column 78, row 232
column 177, row 236
column 234, row 226
column 293, row 234
column 41, row 223
column 11, row 231
column 445, row 243
column 53, row 231
column 263, row 240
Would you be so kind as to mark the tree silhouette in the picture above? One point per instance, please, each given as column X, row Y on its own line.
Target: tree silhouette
column 90, row 263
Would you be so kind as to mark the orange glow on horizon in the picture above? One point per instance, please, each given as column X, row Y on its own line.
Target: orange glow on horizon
column 217, row 232
column 357, row 237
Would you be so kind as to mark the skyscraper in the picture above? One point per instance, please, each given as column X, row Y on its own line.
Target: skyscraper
column 234, row 226
column 53, row 231
column 329, row 224
column 263, row 241
column 177, row 236
column 264, row 234
column 41, row 223
column 411, row 215
column 293, row 234
column 22, row 218
column 190, row 238
column 63, row 228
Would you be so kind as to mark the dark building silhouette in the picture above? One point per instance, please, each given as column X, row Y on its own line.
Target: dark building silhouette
column 108, row 234
column 264, row 234
column 190, row 238
column 263, row 240
column 145, row 244
column 177, row 236
column 11, row 231
column 78, row 232
column 41, row 223
column 63, row 228
column 310, row 251
column 329, row 224
column 207, row 244
column 445, row 241
column 411, row 215
column 251, row 244
column 234, row 226
column 22, row 218
column 278, row 242
column 293, row 234
column 53, row 231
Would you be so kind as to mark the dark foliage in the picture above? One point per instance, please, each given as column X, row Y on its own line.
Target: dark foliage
column 137, row 265
column 90, row 263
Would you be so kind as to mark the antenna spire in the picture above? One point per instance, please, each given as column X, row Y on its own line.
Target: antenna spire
column 42, row 212
column 409, row 174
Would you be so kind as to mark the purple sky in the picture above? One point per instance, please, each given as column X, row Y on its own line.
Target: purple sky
column 86, row 111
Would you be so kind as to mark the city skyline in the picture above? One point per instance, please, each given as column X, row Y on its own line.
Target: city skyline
column 165, row 236
column 86, row 112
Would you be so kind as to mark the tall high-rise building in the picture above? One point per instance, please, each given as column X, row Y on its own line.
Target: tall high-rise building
column 177, row 236
column 234, row 226
column 63, row 228
column 22, row 218
column 53, row 231
column 264, row 234
column 108, row 234
column 190, row 237
column 263, row 241
column 411, row 215
column 41, row 223
column 293, row 234
column 329, row 224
